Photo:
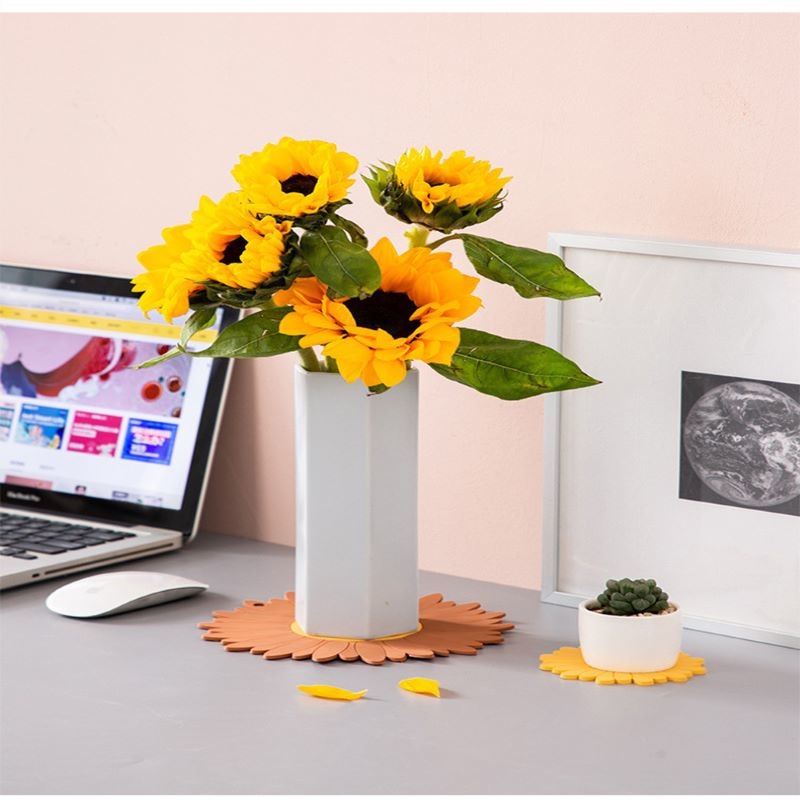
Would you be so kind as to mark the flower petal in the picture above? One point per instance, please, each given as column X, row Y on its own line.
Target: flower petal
column 420, row 686
column 390, row 372
column 331, row 692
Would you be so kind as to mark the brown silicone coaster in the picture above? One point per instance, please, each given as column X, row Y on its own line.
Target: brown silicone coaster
column 269, row 630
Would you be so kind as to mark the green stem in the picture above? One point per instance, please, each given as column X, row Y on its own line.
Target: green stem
column 309, row 360
column 331, row 365
column 417, row 236
column 443, row 240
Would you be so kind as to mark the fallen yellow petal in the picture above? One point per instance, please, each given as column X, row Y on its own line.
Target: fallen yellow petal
column 420, row 686
column 331, row 692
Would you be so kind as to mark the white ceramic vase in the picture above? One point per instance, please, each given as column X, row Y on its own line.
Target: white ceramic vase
column 356, row 556
column 629, row 644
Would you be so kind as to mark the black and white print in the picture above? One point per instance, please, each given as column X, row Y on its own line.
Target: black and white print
column 740, row 442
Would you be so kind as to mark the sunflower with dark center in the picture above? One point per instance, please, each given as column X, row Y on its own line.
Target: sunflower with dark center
column 295, row 178
column 410, row 317
column 232, row 246
column 224, row 243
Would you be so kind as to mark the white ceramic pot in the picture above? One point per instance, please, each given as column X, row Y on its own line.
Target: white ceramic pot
column 629, row 644
column 356, row 557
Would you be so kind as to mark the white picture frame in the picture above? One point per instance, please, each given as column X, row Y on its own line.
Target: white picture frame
column 670, row 311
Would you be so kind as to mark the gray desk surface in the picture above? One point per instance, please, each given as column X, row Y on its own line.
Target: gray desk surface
column 139, row 704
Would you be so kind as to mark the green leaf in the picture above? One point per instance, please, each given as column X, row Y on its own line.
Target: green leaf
column 200, row 320
column 531, row 273
column 511, row 369
column 313, row 222
column 152, row 362
column 346, row 268
column 255, row 335
column 354, row 231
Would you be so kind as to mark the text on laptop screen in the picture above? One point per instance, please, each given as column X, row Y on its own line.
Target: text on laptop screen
column 75, row 418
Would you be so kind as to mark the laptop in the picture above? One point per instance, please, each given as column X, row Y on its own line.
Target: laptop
column 99, row 463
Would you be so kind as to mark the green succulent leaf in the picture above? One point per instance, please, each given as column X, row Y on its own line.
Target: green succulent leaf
column 626, row 597
column 620, row 606
column 511, row 369
column 531, row 273
column 347, row 268
column 254, row 336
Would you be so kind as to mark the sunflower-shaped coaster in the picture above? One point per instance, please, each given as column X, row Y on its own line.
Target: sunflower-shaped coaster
column 569, row 664
column 269, row 629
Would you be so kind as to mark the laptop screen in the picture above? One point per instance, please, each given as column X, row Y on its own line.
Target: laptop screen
column 75, row 419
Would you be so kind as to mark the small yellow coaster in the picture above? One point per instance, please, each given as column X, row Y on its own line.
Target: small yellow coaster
column 569, row 664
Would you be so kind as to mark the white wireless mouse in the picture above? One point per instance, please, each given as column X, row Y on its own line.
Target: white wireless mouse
column 116, row 592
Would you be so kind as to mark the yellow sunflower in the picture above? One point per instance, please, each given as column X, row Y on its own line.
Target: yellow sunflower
column 215, row 225
column 167, row 284
column 410, row 317
column 231, row 245
column 224, row 243
column 295, row 178
column 459, row 178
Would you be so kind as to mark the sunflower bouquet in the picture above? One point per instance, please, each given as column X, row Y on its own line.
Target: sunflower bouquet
column 280, row 247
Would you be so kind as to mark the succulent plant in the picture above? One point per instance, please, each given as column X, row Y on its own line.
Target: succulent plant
column 625, row 597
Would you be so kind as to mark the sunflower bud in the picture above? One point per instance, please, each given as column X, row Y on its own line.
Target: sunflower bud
column 440, row 194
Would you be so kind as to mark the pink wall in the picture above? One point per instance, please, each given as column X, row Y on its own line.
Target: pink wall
column 680, row 126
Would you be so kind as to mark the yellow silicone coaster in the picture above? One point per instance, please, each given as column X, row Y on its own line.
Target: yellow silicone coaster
column 569, row 664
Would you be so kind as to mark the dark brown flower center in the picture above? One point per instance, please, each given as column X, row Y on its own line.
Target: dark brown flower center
column 233, row 250
column 304, row 184
column 387, row 310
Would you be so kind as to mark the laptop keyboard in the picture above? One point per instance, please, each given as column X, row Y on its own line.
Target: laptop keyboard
column 26, row 537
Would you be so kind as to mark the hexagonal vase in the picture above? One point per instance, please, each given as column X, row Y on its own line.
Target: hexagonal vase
column 356, row 551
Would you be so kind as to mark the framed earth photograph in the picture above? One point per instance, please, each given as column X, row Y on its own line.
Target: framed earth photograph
column 740, row 442
column 684, row 464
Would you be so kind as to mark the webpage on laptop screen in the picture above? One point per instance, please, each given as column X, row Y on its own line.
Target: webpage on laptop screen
column 74, row 416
